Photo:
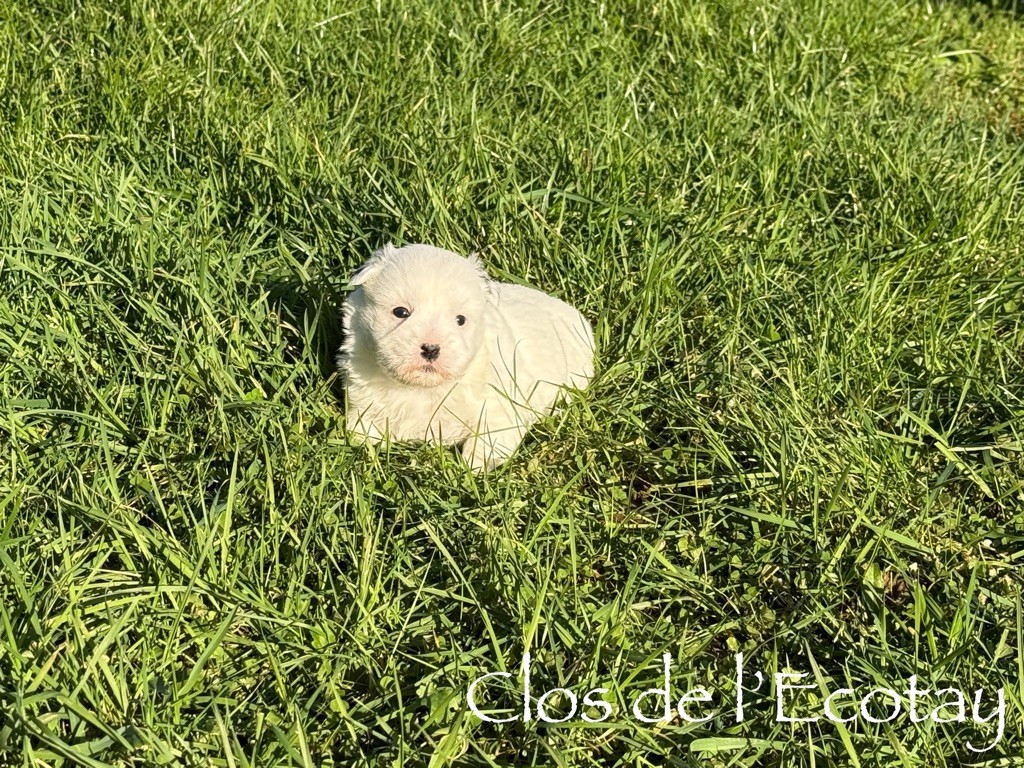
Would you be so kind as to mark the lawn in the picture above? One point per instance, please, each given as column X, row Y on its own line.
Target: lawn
column 798, row 229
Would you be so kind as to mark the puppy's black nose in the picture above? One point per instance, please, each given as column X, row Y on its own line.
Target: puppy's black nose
column 430, row 351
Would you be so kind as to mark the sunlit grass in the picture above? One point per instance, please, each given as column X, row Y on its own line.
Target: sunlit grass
column 797, row 229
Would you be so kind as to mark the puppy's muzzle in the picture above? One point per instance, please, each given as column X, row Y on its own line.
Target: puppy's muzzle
column 430, row 352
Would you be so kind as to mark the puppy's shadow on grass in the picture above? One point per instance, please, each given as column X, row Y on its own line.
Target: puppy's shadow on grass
column 310, row 312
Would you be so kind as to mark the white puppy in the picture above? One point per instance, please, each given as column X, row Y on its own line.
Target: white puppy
column 436, row 351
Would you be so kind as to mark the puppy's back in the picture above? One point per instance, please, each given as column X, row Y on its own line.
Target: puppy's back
column 553, row 342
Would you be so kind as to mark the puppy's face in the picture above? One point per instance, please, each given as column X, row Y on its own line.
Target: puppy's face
column 421, row 311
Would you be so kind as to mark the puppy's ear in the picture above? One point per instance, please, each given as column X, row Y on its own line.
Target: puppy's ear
column 371, row 267
column 474, row 259
column 365, row 272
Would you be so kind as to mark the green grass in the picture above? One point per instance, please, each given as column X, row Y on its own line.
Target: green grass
column 798, row 229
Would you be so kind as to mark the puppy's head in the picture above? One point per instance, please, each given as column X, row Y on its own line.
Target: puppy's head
column 420, row 310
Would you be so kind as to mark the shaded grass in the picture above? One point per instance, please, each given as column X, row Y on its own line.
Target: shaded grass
column 797, row 229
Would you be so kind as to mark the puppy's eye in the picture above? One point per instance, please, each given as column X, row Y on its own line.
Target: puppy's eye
column 460, row 319
column 401, row 312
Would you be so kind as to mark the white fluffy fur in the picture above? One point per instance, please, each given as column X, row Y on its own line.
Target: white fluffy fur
column 494, row 375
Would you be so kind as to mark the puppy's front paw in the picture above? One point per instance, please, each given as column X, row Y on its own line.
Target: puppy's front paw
column 479, row 459
column 363, row 430
column 488, row 450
